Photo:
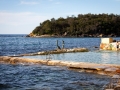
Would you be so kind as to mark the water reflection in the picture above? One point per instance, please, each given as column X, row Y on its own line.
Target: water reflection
column 105, row 57
column 110, row 57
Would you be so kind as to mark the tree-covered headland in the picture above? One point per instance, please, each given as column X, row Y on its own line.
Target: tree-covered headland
column 84, row 25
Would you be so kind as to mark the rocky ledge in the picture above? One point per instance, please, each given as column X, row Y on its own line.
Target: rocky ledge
column 57, row 51
column 82, row 35
column 104, row 69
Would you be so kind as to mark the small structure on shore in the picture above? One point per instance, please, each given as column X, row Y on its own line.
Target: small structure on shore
column 109, row 44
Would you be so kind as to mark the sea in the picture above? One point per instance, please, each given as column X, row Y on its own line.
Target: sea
column 42, row 77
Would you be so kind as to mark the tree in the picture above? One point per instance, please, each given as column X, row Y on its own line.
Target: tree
column 91, row 24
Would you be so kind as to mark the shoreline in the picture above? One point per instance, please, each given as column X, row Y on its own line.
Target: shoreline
column 103, row 69
column 70, row 36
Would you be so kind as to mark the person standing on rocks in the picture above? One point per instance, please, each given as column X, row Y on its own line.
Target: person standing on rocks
column 117, row 45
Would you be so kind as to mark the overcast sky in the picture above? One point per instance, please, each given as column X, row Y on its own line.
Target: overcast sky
column 22, row 16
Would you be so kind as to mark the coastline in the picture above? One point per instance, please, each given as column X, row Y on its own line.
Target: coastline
column 69, row 36
column 58, row 36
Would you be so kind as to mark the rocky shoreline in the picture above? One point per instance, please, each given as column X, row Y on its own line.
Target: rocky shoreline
column 68, row 36
column 103, row 69
column 57, row 51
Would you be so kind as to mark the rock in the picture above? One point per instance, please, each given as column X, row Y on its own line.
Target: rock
column 103, row 69
column 111, row 69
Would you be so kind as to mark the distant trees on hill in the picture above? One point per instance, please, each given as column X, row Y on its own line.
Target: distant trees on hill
column 82, row 25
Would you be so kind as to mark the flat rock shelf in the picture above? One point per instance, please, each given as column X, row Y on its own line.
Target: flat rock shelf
column 58, row 51
column 104, row 69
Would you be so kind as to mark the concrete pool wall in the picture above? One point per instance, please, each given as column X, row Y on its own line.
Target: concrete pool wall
column 104, row 69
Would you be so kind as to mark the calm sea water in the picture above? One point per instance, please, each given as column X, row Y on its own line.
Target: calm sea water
column 39, row 77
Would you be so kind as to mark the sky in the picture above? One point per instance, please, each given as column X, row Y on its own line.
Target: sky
column 22, row 16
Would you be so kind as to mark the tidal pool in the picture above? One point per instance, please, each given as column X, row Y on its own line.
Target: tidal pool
column 100, row 57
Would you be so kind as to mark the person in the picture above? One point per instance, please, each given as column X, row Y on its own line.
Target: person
column 117, row 44
column 63, row 44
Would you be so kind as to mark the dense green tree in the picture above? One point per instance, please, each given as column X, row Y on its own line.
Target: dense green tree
column 84, row 24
